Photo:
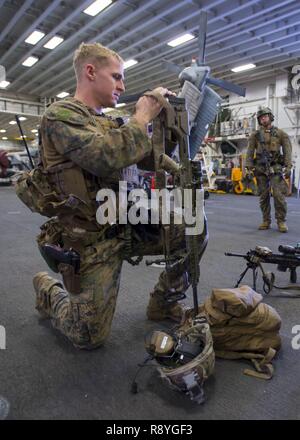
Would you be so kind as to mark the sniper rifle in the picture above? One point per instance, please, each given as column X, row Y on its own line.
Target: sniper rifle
column 287, row 259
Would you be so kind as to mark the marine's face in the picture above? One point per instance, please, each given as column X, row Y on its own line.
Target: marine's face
column 108, row 84
column 265, row 120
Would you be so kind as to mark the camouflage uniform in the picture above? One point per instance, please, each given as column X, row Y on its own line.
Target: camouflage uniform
column 278, row 144
column 84, row 152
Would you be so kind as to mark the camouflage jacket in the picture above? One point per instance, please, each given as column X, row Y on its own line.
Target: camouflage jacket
column 71, row 131
column 277, row 143
column 82, row 152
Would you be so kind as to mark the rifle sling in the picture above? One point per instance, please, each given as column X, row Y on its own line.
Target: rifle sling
column 288, row 287
column 262, row 142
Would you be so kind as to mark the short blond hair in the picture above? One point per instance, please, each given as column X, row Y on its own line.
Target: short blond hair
column 92, row 53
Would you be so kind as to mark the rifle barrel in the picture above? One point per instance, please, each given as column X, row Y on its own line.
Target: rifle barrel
column 230, row 254
column 195, row 300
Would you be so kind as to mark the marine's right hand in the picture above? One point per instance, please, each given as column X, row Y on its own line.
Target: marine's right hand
column 146, row 109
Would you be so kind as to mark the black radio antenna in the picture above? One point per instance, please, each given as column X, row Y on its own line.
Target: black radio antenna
column 24, row 140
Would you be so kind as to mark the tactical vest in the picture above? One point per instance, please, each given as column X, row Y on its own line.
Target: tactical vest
column 59, row 187
column 272, row 145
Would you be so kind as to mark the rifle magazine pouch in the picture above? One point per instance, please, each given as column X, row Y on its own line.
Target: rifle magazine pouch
column 70, row 278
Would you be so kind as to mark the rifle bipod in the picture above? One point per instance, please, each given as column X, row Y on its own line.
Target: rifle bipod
column 268, row 277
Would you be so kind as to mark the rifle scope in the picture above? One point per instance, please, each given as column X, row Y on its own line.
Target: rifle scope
column 285, row 249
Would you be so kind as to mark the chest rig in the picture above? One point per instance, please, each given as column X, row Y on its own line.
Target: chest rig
column 269, row 140
column 269, row 157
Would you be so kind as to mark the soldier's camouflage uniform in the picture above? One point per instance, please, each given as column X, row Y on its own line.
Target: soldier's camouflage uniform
column 278, row 144
column 83, row 152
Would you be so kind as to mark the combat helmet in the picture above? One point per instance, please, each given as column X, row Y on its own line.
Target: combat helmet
column 265, row 111
column 186, row 358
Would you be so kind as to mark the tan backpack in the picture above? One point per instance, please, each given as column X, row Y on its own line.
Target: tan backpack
column 35, row 191
column 243, row 326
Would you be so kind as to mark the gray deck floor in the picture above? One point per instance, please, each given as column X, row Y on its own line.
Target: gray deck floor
column 43, row 377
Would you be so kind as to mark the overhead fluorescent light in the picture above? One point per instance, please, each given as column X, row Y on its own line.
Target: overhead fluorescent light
column 4, row 84
column 22, row 118
column 180, row 40
column 35, row 37
column 243, row 67
column 12, row 122
column 4, row 138
column 54, row 42
column 129, row 63
column 30, row 61
column 2, row 131
column 97, row 7
column 63, row 94
column 34, row 131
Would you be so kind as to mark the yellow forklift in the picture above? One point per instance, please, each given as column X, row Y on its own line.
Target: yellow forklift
column 243, row 184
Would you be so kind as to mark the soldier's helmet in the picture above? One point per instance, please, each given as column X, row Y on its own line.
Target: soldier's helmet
column 186, row 358
column 265, row 111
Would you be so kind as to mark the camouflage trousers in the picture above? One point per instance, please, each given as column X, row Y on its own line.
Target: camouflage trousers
column 278, row 186
column 86, row 318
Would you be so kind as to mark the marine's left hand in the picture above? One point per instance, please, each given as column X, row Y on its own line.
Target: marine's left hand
column 164, row 91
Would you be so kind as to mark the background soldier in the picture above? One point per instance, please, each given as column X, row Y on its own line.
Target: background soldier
column 269, row 157
column 82, row 151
